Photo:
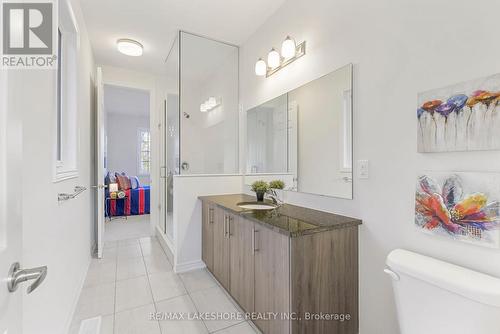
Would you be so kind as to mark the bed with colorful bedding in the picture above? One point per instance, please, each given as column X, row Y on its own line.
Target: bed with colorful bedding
column 136, row 201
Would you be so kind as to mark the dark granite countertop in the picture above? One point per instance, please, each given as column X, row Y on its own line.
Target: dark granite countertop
column 288, row 219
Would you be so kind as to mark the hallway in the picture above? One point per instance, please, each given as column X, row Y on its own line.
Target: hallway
column 135, row 279
column 130, row 228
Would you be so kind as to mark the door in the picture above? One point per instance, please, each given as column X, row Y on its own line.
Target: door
column 100, row 164
column 208, row 235
column 241, row 272
column 163, row 168
column 10, row 204
column 172, row 159
column 221, row 247
column 272, row 278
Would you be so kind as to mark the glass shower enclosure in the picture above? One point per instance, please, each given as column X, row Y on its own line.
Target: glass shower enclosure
column 200, row 120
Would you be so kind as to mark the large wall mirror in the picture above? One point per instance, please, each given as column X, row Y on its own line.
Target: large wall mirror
column 305, row 136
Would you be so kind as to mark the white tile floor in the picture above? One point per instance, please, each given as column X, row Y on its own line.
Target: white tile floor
column 132, row 227
column 135, row 279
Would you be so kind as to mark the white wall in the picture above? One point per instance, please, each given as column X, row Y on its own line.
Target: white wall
column 123, row 144
column 57, row 235
column 398, row 49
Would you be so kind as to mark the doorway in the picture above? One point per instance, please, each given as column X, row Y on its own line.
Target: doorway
column 127, row 162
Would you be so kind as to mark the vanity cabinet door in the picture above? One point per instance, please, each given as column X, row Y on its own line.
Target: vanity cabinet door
column 221, row 247
column 208, row 219
column 242, row 261
column 272, row 278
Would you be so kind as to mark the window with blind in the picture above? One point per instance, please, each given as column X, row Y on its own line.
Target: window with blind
column 144, row 146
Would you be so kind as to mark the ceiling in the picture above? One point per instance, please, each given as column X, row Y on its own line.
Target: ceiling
column 154, row 23
column 126, row 101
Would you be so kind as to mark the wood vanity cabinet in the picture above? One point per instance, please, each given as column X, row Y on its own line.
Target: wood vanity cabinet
column 267, row 271
column 241, row 267
column 221, row 246
column 207, row 242
column 272, row 279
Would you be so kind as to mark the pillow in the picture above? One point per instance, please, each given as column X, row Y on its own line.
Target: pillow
column 109, row 178
column 134, row 182
column 123, row 182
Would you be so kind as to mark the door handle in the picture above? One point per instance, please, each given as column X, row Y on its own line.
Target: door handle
column 226, row 228
column 18, row 275
column 100, row 186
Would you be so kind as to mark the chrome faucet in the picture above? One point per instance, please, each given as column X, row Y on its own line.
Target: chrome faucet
column 273, row 196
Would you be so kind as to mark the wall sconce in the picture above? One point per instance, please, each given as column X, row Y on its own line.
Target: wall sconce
column 276, row 61
column 210, row 104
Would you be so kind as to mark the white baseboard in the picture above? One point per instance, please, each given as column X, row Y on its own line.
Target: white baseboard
column 188, row 266
column 166, row 244
column 69, row 321
column 168, row 247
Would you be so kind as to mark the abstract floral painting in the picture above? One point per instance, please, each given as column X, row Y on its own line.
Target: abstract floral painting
column 463, row 206
column 462, row 117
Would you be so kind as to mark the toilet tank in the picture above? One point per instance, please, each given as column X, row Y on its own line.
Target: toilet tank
column 435, row 297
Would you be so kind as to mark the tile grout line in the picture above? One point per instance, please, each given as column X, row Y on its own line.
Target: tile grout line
column 223, row 329
column 116, row 280
column 184, row 285
column 194, row 304
column 149, row 284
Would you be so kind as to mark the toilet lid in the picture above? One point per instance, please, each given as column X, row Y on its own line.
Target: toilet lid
column 468, row 283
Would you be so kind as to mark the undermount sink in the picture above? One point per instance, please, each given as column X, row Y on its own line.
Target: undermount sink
column 256, row 206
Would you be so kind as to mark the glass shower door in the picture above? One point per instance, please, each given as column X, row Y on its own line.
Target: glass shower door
column 172, row 136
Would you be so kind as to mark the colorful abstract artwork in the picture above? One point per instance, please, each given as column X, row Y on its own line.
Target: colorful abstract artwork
column 463, row 206
column 462, row 117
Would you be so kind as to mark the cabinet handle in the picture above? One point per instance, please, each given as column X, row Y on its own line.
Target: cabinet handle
column 254, row 242
column 229, row 220
column 226, row 226
column 211, row 215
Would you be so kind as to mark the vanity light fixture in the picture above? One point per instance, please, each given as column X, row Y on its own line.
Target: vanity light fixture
column 210, row 104
column 275, row 62
column 129, row 47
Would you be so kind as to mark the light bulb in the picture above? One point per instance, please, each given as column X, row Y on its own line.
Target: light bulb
column 288, row 48
column 273, row 58
column 211, row 102
column 260, row 67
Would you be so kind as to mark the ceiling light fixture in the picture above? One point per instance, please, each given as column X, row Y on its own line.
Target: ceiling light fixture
column 129, row 47
column 276, row 61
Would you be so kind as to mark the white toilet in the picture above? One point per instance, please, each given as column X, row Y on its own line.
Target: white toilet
column 435, row 297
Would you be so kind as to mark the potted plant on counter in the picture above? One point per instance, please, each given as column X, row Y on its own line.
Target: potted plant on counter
column 260, row 188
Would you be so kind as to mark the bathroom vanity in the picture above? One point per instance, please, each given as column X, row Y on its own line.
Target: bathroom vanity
column 293, row 262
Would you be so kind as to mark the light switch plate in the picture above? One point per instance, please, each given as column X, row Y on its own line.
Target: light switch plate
column 363, row 169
